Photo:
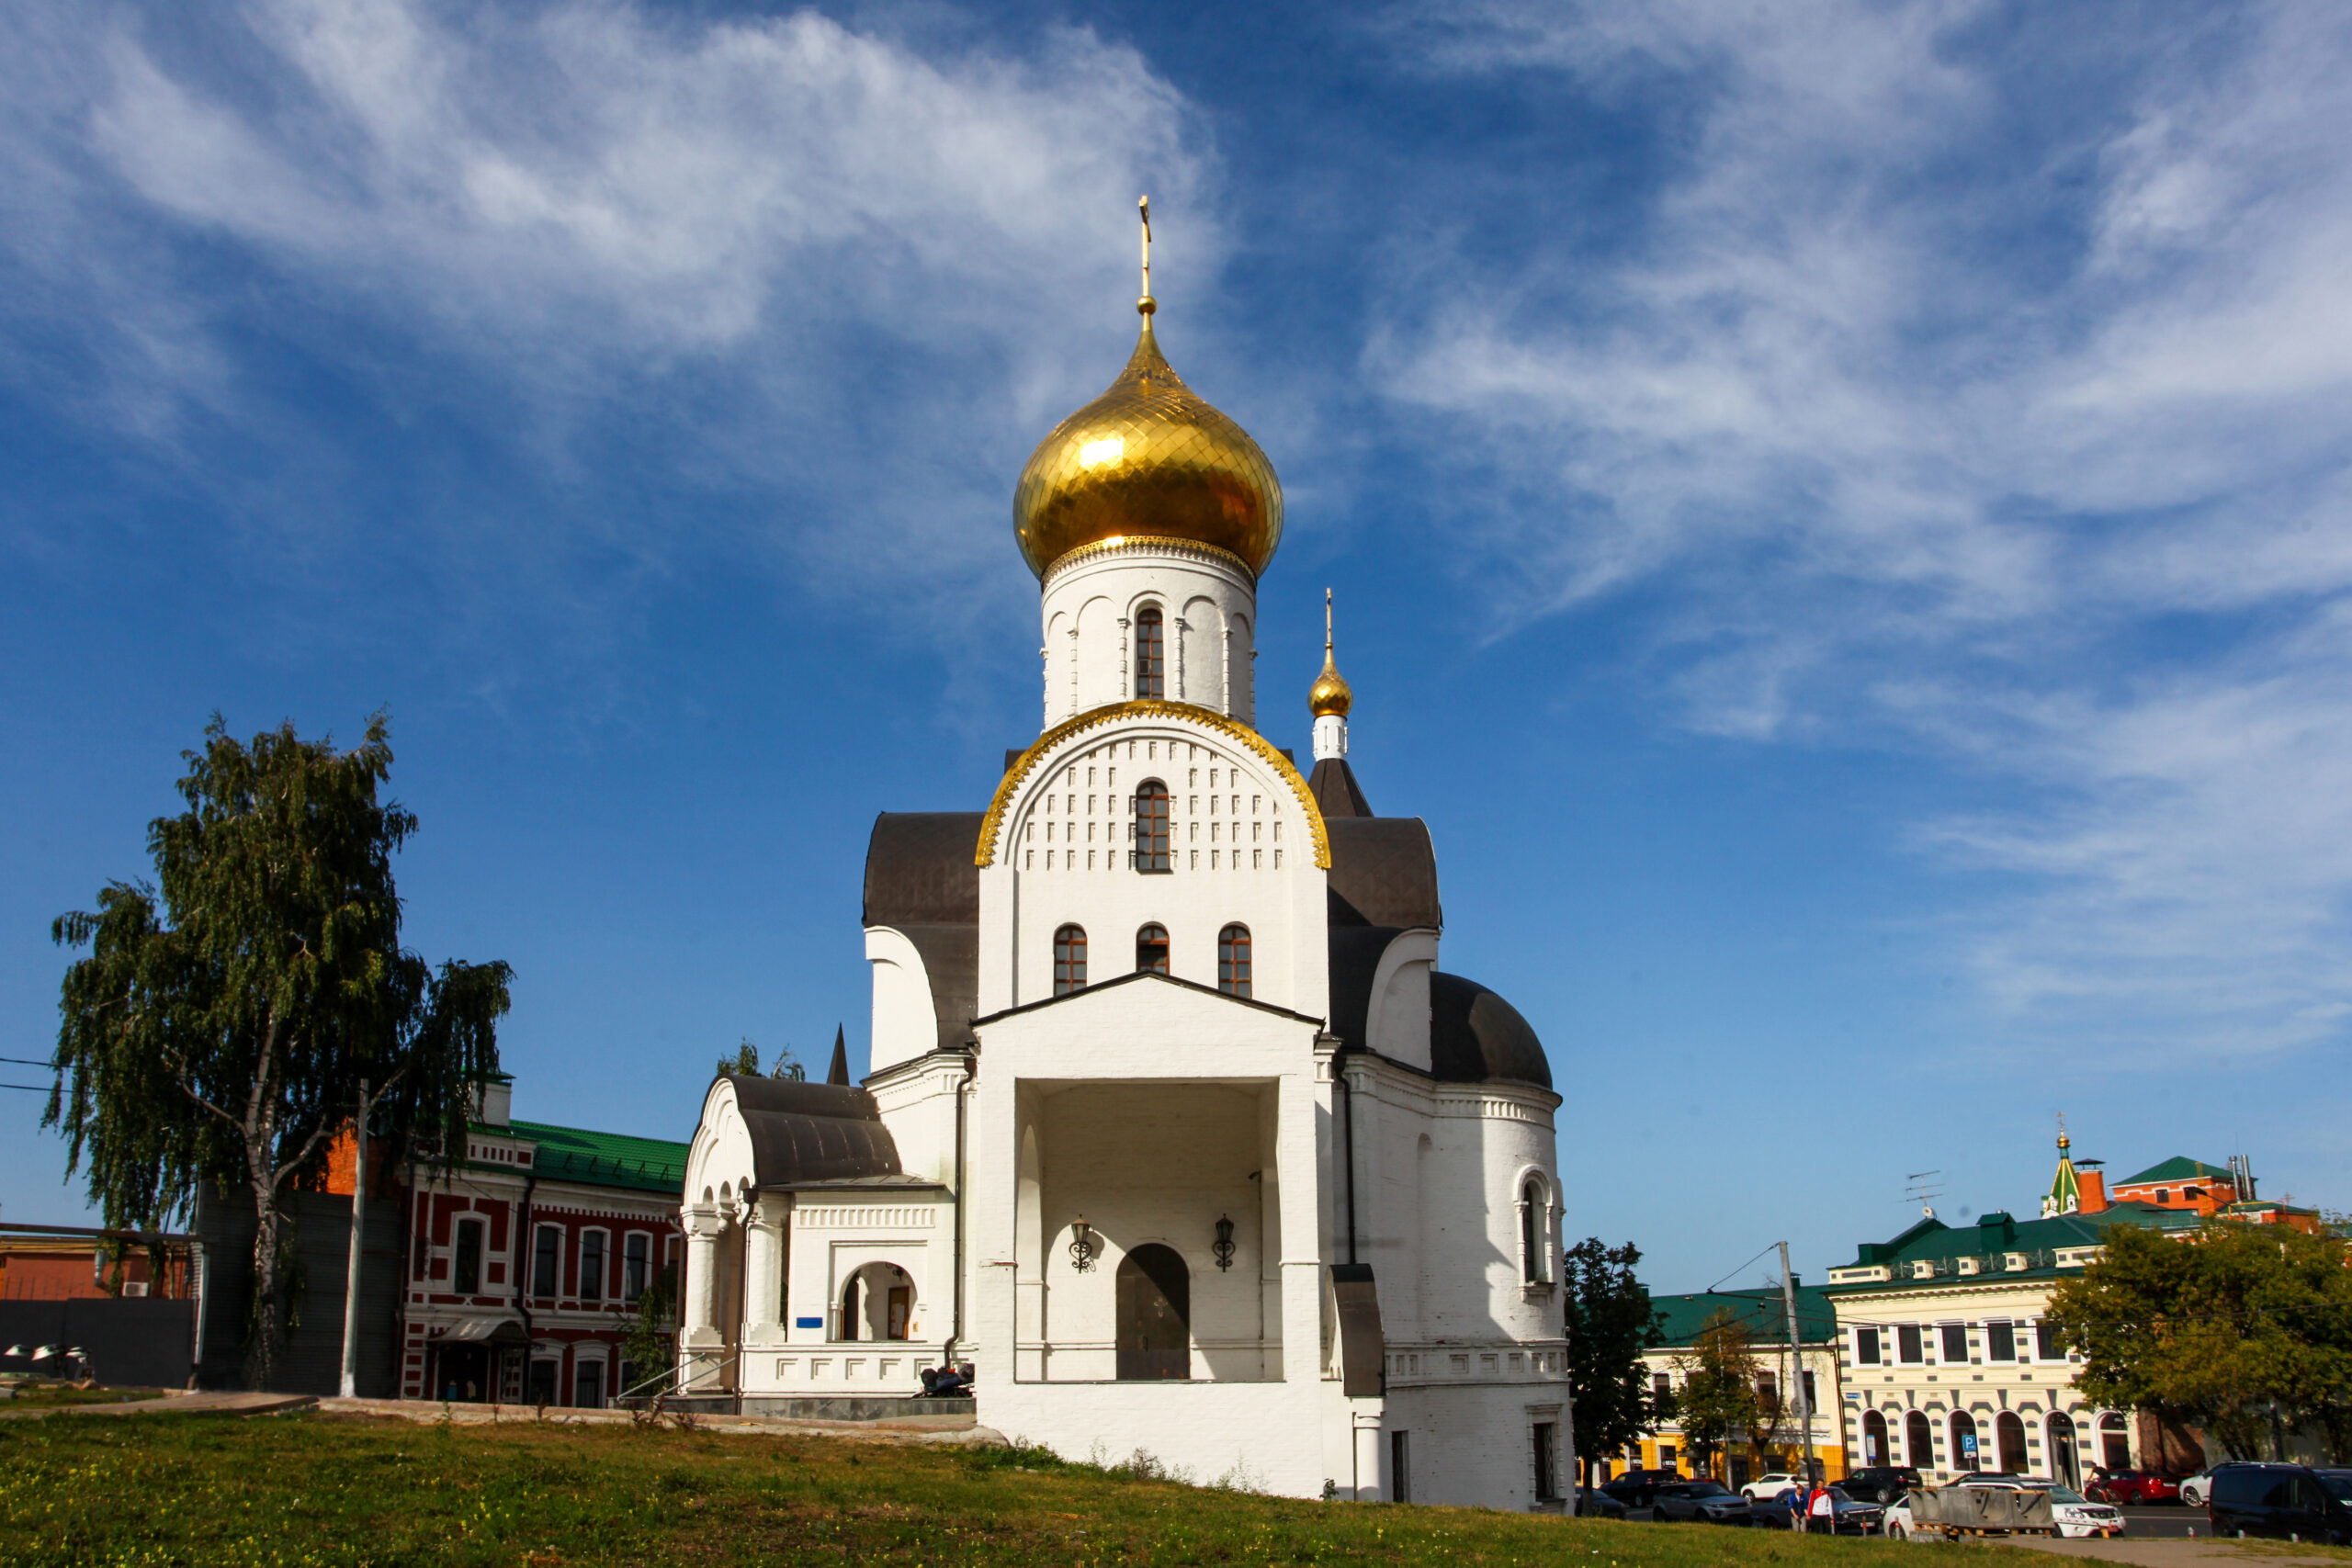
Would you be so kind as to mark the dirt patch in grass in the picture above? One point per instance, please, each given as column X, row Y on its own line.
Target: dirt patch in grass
column 293, row 1491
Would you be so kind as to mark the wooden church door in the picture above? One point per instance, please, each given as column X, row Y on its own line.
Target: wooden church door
column 1155, row 1315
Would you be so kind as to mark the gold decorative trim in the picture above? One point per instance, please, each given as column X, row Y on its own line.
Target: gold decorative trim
column 1149, row 707
column 1167, row 543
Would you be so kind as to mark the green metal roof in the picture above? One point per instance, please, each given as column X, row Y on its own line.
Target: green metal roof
column 1995, row 1234
column 1680, row 1318
column 601, row 1159
column 2180, row 1168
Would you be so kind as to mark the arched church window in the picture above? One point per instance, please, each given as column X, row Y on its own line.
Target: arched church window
column 1151, row 950
column 1150, row 852
column 1151, row 657
column 1233, row 961
column 1534, row 1259
column 1070, row 960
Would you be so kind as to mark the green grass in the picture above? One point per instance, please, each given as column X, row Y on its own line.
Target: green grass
column 326, row 1490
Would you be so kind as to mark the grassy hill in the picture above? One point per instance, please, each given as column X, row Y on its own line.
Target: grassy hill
column 291, row 1491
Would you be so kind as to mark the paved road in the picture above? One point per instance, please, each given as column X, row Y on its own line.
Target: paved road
column 2163, row 1522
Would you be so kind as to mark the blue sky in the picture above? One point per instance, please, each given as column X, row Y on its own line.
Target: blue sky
column 1837, row 510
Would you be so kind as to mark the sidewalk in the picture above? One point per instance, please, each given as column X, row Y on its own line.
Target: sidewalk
column 956, row 1429
column 239, row 1404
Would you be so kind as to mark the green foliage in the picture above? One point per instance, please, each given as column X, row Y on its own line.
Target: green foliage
column 745, row 1063
column 650, row 1345
column 1717, row 1402
column 2218, row 1330
column 220, row 1030
column 1610, row 1323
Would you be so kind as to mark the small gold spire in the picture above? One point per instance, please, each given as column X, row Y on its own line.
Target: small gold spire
column 1330, row 696
column 1146, row 305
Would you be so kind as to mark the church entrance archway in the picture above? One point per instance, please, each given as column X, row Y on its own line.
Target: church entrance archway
column 1155, row 1316
column 879, row 1302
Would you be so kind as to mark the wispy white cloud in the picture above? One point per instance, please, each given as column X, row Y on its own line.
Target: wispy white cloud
column 826, row 262
column 1932, row 400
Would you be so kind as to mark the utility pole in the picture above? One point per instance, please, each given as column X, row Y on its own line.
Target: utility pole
column 351, row 1278
column 1796, row 1354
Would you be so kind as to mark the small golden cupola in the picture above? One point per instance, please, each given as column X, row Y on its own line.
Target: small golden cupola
column 1330, row 696
column 1148, row 459
column 1330, row 699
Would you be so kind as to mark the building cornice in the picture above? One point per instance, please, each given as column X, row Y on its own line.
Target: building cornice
column 1150, row 545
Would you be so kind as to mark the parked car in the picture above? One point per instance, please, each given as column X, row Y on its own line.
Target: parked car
column 1882, row 1484
column 1702, row 1502
column 1639, row 1488
column 1851, row 1515
column 1771, row 1485
column 2076, row 1516
column 2136, row 1487
column 2196, row 1490
column 1592, row 1502
column 2288, row 1502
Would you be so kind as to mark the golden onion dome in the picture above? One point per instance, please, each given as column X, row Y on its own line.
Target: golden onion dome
column 1330, row 696
column 1147, row 459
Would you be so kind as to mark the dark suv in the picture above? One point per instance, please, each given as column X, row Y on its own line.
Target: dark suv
column 1639, row 1488
column 2291, row 1502
column 1880, row 1483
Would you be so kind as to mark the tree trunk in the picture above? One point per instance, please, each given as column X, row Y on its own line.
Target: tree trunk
column 261, row 1355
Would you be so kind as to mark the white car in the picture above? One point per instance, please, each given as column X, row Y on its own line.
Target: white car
column 1771, row 1485
column 2195, row 1490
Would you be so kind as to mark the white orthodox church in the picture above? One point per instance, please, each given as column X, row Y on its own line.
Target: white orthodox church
column 1175, row 1131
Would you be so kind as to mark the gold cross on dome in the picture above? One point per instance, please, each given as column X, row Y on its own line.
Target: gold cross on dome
column 1146, row 305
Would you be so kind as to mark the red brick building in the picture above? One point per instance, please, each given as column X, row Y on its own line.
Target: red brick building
column 525, row 1261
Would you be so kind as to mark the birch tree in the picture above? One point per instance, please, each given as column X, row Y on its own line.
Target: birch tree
column 223, row 1023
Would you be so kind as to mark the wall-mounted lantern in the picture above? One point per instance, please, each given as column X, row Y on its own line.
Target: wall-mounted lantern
column 1224, row 1248
column 1081, row 1246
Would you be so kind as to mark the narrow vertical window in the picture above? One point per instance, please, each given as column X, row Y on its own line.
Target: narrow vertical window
column 1531, row 1233
column 1233, row 961
column 1151, row 660
column 637, row 1260
column 592, row 1266
column 1151, row 825
column 1151, row 950
column 546, row 1262
column 1070, row 960
column 469, row 1260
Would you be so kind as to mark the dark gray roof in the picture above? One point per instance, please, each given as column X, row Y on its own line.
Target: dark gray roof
column 1336, row 794
column 921, row 882
column 1477, row 1037
column 1383, row 872
column 813, row 1132
column 920, row 870
column 1355, row 958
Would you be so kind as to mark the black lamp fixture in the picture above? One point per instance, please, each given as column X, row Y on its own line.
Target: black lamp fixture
column 1224, row 1248
column 1081, row 1246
